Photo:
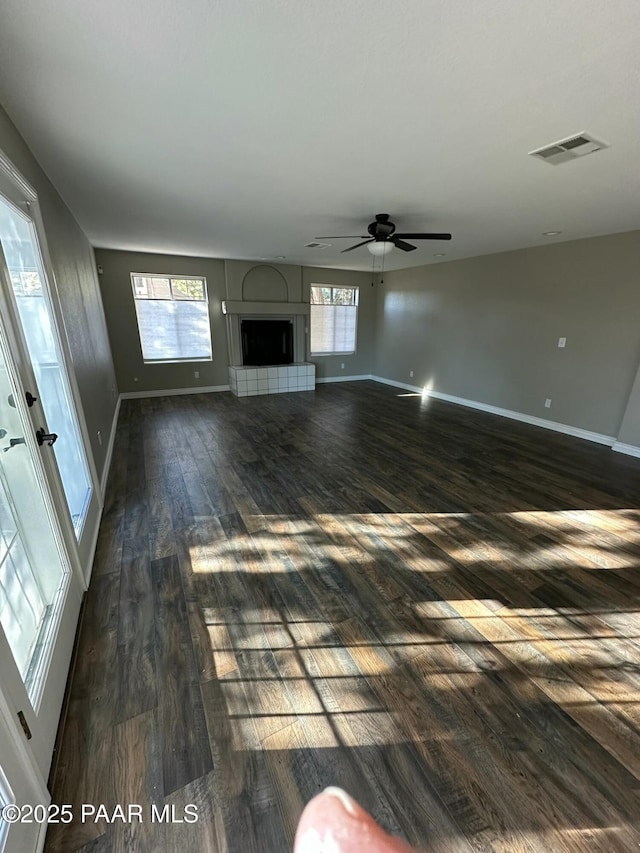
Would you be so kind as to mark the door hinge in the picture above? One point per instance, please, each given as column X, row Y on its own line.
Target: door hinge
column 25, row 725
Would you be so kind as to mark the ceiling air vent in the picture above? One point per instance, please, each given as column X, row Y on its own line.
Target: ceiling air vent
column 316, row 245
column 568, row 149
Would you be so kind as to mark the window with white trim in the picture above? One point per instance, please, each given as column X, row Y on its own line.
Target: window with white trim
column 334, row 319
column 173, row 317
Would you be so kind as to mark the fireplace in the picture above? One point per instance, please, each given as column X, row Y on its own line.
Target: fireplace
column 267, row 323
column 266, row 342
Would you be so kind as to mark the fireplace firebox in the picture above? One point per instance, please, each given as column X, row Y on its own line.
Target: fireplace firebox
column 267, row 342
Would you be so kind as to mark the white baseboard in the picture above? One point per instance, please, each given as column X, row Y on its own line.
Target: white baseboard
column 357, row 378
column 173, row 392
column 107, row 460
column 86, row 570
column 629, row 449
column 596, row 437
column 395, row 384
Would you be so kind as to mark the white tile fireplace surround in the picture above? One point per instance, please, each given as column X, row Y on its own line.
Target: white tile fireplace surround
column 282, row 379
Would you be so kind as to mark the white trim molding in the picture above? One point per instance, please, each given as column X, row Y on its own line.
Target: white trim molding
column 107, row 459
column 629, row 449
column 596, row 437
column 173, row 392
column 357, row 378
column 88, row 568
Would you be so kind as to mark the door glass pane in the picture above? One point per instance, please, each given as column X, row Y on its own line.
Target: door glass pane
column 32, row 573
column 21, row 251
column 6, row 797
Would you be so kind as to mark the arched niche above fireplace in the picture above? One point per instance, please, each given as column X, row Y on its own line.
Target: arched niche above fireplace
column 264, row 283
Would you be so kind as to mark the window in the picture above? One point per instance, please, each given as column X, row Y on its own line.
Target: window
column 334, row 314
column 173, row 317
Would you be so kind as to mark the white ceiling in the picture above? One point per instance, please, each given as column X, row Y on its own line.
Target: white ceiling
column 246, row 128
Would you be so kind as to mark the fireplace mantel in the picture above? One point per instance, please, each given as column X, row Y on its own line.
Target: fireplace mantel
column 256, row 308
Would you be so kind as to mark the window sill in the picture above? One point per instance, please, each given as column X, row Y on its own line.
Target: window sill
column 326, row 354
column 177, row 360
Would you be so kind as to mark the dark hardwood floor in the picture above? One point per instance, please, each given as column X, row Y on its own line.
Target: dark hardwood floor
column 434, row 608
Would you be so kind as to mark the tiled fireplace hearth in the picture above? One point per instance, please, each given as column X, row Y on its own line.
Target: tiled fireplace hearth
column 283, row 379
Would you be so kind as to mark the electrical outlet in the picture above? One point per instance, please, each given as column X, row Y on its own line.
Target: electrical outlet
column 547, row 403
column 99, row 438
column 342, row 366
column 562, row 342
column 196, row 373
column 135, row 378
column 411, row 374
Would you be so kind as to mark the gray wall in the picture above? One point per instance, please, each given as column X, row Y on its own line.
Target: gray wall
column 115, row 284
column 361, row 362
column 487, row 329
column 76, row 280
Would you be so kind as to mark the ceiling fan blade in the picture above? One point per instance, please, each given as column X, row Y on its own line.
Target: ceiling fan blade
column 406, row 247
column 344, row 237
column 423, row 236
column 357, row 246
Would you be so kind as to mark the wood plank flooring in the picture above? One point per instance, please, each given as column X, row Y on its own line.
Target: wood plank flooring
column 434, row 608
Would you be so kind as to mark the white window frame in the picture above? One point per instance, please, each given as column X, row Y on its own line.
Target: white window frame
column 333, row 287
column 171, row 277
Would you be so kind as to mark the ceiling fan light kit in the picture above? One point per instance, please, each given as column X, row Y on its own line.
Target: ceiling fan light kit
column 380, row 248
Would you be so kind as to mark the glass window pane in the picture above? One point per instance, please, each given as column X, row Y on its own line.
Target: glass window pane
column 6, row 797
column 174, row 330
column 31, row 570
column 173, row 317
column 22, row 255
column 333, row 323
column 151, row 287
column 187, row 288
column 320, row 295
column 343, row 295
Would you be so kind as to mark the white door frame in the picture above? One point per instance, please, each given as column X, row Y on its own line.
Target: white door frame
column 33, row 757
column 23, row 195
column 42, row 716
column 26, row 780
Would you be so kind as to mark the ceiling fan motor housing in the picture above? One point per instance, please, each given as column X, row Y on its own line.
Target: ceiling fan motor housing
column 381, row 229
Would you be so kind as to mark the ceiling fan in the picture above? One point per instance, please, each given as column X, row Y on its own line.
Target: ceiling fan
column 383, row 237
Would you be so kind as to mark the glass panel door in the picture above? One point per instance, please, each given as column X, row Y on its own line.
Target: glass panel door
column 23, row 259
column 48, row 502
column 21, row 784
column 16, row 790
column 40, row 595
column 33, row 572
column 6, row 798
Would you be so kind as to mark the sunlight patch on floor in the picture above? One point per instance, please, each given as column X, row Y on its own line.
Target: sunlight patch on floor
column 290, row 677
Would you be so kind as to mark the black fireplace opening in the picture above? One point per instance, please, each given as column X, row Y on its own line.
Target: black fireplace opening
column 267, row 342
